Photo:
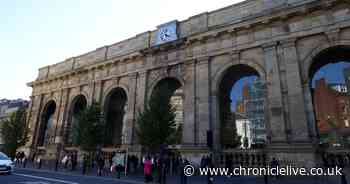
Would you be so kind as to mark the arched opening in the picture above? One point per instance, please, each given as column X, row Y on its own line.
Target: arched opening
column 78, row 104
column 47, row 125
column 115, row 108
column 242, row 98
column 329, row 84
column 172, row 91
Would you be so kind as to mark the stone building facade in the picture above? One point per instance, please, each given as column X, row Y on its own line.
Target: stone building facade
column 284, row 42
column 331, row 105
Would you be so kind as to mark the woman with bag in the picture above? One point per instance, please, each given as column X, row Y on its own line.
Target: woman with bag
column 147, row 169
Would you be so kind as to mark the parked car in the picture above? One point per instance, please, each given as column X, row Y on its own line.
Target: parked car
column 6, row 164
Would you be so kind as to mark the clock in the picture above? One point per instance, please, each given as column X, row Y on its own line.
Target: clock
column 167, row 32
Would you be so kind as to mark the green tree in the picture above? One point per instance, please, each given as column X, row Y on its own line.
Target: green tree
column 88, row 132
column 156, row 124
column 14, row 132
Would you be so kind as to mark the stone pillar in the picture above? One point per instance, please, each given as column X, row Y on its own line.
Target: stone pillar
column 215, row 120
column 203, row 95
column 297, row 113
column 36, row 118
column 275, row 120
column 309, row 110
column 60, row 112
column 140, row 103
column 141, row 91
column 189, row 128
column 129, row 119
column 98, row 92
column 65, row 114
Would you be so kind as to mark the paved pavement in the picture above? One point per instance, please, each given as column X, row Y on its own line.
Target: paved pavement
column 34, row 176
column 46, row 175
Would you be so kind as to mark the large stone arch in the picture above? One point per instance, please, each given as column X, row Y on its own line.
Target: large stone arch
column 159, row 78
column 306, row 65
column 110, row 88
column 71, row 108
column 115, row 108
column 47, row 114
column 218, row 76
column 308, row 60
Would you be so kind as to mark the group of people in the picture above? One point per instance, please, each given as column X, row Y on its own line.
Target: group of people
column 20, row 159
column 164, row 165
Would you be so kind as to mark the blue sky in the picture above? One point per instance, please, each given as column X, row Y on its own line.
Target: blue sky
column 37, row 33
column 333, row 73
column 236, row 91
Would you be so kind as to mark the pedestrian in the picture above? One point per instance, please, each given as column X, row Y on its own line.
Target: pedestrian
column 65, row 161
column 85, row 163
column 183, row 164
column 147, row 169
column 210, row 165
column 39, row 161
column 119, row 162
column 274, row 164
column 100, row 164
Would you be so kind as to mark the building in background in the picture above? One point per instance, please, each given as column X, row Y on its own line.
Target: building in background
column 243, row 129
column 254, row 96
column 346, row 73
column 7, row 107
column 332, row 108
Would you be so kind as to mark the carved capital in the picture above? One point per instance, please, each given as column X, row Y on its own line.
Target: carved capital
column 269, row 46
column 235, row 54
column 290, row 42
column 132, row 75
column 203, row 60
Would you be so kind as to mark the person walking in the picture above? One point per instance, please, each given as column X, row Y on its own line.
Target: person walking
column 65, row 161
column 183, row 164
column 100, row 164
column 147, row 169
column 119, row 162
column 274, row 164
column 85, row 163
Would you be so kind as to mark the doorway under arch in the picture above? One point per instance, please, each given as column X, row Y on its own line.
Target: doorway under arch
column 242, row 98
column 329, row 76
column 79, row 103
column 115, row 113
column 47, row 125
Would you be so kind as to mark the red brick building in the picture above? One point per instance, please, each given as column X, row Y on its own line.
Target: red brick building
column 331, row 106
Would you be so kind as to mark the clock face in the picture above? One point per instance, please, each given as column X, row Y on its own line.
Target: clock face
column 167, row 33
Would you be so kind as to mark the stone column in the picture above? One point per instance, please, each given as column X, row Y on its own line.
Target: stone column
column 65, row 114
column 60, row 112
column 189, row 128
column 129, row 116
column 309, row 109
column 36, row 118
column 275, row 120
column 140, row 103
column 203, row 95
column 98, row 92
column 141, row 91
column 215, row 120
column 297, row 114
